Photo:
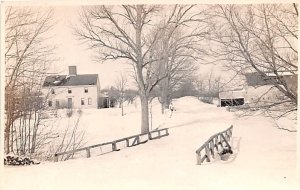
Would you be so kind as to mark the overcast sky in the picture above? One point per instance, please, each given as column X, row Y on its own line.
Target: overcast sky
column 72, row 52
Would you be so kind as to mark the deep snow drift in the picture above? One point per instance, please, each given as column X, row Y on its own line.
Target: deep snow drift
column 264, row 156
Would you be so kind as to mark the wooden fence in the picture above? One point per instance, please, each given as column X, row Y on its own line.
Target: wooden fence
column 217, row 141
column 130, row 141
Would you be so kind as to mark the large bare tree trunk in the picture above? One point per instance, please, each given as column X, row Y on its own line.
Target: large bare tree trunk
column 6, row 138
column 143, row 93
column 122, row 107
column 8, row 123
column 145, row 114
column 164, row 95
column 34, row 132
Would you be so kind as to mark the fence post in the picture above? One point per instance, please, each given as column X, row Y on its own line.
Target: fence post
column 207, row 153
column 199, row 158
column 127, row 142
column 114, row 146
column 220, row 141
column 225, row 141
column 228, row 135
column 55, row 158
column 88, row 153
column 216, row 143
column 212, row 148
column 167, row 132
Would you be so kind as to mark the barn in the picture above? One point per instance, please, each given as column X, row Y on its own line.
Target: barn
column 256, row 89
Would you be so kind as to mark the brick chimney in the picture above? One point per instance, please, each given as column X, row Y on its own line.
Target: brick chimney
column 72, row 70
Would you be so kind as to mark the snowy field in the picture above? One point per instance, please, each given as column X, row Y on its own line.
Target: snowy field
column 264, row 156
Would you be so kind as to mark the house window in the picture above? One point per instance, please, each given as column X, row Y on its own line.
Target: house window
column 86, row 90
column 90, row 101
column 50, row 103
column 69, row 90
column 57, row 103
column 82, row 101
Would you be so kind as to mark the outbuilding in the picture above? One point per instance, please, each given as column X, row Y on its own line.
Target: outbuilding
column 256, row 89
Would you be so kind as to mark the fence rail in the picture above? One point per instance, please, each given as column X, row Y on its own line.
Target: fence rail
column 130, row 141
column 217, row 141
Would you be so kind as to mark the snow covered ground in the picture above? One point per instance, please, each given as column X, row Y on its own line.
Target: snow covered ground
column 264, row 156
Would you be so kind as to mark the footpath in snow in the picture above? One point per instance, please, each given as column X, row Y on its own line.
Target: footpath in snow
column 264, row 156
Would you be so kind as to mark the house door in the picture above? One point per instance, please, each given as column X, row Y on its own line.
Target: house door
column 105, row 103
column 70, row 103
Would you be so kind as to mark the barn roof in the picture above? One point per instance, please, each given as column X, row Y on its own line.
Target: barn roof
column 255, row 79
column 70, row 80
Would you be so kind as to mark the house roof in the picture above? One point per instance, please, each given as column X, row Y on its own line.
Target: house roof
column 70, row 80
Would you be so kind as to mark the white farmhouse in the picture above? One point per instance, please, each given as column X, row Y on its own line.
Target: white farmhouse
column 73, row 90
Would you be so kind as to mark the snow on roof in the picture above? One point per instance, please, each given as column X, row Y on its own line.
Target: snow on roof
column 67, row 80
column 255, row 79
column 232, row 94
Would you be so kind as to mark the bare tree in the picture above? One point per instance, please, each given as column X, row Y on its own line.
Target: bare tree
column 208, row 86
column 121, row 84
column 130, row 95
column 262, row 39
column 178, row 50
column 180, row 63
column 116, row 33
column 26, row 59
column 71, row 138
column 131, row 32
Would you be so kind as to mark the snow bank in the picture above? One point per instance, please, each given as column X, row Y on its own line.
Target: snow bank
column 264, row 156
